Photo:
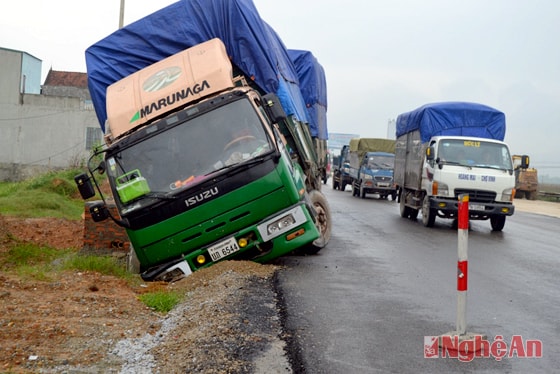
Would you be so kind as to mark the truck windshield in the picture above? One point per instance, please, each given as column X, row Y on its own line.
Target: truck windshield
column 475, row 153
column 188, row 152
column 381, row 162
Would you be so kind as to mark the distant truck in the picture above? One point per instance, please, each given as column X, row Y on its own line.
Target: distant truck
column 371, row 164
column 526, row 178
column 341, row 170
column 209, row 146
column 445, row 150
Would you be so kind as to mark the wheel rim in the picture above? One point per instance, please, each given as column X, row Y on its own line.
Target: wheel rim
column 321, row 221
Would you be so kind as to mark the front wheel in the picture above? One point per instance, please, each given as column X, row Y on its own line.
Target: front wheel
column 322, row 222
column 428, row 214
column 497, row 222
column 355, row 190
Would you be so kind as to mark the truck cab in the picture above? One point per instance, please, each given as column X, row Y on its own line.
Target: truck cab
column 375, row 176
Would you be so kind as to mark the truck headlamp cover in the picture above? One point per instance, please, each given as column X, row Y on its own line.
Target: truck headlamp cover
column 285, row 221
column 282, row 223
column 508, row 194
column 442, row 189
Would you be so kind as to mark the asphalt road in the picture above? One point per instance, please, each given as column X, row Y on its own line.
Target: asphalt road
column 367, row 301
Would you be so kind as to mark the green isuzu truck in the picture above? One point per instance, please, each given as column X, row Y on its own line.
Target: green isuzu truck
column 210, row 144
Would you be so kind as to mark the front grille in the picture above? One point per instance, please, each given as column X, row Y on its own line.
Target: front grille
column 480, row 196
column 382, row 179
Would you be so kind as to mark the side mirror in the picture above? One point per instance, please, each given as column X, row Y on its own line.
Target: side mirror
column 99, row 211
column 524, row 162
column 83, row 181
column 273, row 108
column 430, row 152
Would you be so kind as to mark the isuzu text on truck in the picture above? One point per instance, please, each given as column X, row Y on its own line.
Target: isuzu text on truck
column 445, row 150
column 208, row 148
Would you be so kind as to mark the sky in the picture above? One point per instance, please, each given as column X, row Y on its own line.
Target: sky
column 381, row 58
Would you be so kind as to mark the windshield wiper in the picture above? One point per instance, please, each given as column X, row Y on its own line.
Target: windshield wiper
column 491, row 167
column 160, row 196
column 247, row 163
column 442, row 162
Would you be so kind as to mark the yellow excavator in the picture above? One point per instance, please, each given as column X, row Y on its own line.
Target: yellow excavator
column 526, row 178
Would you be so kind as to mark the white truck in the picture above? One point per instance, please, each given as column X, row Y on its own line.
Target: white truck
column 445, row 150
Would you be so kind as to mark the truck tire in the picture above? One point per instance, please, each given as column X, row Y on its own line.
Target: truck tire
column 355, row 190
column 413, row 214
column 362, row 192
column 405, row 211
column 497, row 222
column 322, row 221
column 428, row 214
column 334, row 184
column 342, row 186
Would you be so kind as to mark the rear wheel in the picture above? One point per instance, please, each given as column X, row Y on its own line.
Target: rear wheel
column 405, row 211
column 362, row 191
column 497, row 222
column 342, row 186
column 322, row 222
column 428, row 214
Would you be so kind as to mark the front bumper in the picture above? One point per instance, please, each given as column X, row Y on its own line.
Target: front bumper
column 449, row 208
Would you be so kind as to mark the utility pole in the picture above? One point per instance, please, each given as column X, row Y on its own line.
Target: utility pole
column 121, row 16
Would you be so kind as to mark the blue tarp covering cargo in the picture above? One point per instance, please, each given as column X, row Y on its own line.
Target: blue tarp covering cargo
column 453, row 119
column 313, row 87
column 253, row 46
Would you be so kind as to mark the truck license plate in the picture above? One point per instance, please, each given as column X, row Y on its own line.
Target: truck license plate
column 223, row 249
column 476, row 207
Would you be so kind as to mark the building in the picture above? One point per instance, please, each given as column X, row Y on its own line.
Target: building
column 42, row 127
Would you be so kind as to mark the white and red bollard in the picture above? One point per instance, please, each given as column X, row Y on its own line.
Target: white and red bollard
column 462, row 279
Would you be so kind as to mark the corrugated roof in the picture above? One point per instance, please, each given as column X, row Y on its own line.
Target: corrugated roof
column 66, row 79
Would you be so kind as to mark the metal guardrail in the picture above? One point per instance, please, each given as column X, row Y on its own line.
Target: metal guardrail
column 550, row 194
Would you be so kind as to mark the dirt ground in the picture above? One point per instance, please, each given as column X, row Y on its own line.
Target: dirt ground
column 72, row 323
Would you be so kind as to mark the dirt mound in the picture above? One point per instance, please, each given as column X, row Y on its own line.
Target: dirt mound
column 74, row 321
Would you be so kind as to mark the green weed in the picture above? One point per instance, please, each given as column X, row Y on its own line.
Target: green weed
column 161, row 301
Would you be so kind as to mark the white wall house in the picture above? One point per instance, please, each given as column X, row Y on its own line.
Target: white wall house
column 42, row 127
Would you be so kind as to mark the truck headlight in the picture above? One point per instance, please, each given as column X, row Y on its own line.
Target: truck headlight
column 508, row 194
column 440, row 189
column 367, row 176
column 281, row 224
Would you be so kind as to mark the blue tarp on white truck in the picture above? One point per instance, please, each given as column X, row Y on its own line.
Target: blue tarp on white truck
column 253, row 46
column 313, row 87
column 453, row 119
